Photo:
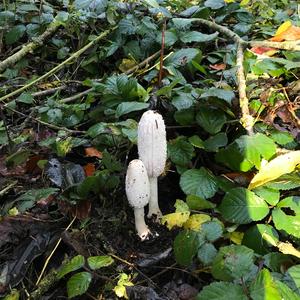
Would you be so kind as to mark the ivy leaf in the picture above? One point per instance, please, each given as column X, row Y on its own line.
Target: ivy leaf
column 195, row 36
column 127, row 107
column 97, row 262
column 14, row 34
column 264, row 287
column 246, row 152
column 288, row 223
column 185, row 247
column 242, row 206
column 78, row 284
column 282, row 164
column 180, row 151
column 222, row 291
column 211, row 119
column 199, row 182
column 74, row 264
column 233, row 262
column 225, row 95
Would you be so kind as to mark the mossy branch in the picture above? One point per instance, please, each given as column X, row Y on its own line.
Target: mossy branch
column 30, row 47
column 58, row 67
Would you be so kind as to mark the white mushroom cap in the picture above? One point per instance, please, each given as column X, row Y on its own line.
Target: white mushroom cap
column 137, row 184
column 152, row 143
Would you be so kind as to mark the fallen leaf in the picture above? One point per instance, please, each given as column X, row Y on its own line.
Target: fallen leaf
column 278, row 166
column 291, row 34
column 175, row 219
column 89, row 169
column 283, row 27
column 267, row 51
column 218, row 67
column 92, row 152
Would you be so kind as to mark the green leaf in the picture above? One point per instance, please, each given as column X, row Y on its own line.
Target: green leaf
column 74, row 264
column 152, row 3
column 185, row 116
column 211, row 119
column 233, row 262
column 281, row 137
column 255, row 238
column 199, row 182
column 215, row 142
column 286, row 292
column 293, row 277
column 264, row 287
column 242, row 206
column 14, row 34
column 183, row 100
column 246, row 152
column 97, row 129
column 285, row 182
column 198, row 203
column 195, row 36
column 25, row 98
column 277, row 261
column 97, row 262
column 269, row 195
column 207, row 253
column 214, row 4
column 17, row 158
column 181, row 57
column 212, row 230
column 78, row 284
column 225, row 95
column 127, row 107
column 180, row 151
column 289, row 223
column 185, row 247
column 196, row 141
column 222, row 291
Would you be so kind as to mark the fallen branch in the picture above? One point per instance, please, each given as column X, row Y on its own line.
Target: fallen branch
column 30, row 47
column 60, row 66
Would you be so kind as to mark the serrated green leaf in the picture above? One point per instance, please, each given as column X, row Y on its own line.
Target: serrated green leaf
column 14, row 34
column 196, row 141
column 207, row 253
column 283, row 221
column 181, row 57
column 212, row 230
column 232, row 262
column 78, row 284
column 199, row 182
column 222, row 291
column 255, row 238
column 183, row 100
column 242, row 206
column 211, row 119
column 127, row 107
column 225, row 95
column 180, row 151
column 198, row 203
column 195, row 36
column 276, row 261
column 215, row 142
column 293, row 277
column 269, row 195
column 97, row 262
column 264, row 287
column 285, row 292
column 185, row 247
column 74, row 264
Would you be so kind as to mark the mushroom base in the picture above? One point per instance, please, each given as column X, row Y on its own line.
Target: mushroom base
column 140, row 225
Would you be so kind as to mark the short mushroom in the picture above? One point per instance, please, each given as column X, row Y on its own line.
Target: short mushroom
column 152, row 148
column 138, row 194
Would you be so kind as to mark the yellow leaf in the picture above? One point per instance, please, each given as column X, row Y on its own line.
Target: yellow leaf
column 229, row 1
column 195, row 221
column 175, row 219
column 283, row 27
column 236, row 237
column 282, row 164
column 126, row 64
column 244, row 2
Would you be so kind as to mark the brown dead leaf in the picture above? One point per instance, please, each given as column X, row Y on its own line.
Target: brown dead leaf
column 89, row 169
column 81, row 210
column 92, row 152
column 291, row 34
column 267, row 51
column 218, row 67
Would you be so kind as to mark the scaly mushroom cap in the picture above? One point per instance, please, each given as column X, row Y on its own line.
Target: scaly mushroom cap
column 152, row 142
column 137, row 184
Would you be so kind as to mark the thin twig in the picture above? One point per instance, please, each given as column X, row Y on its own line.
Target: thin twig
column 161, row 61
column 60, row 66
column 52, row 252
column 6, row 189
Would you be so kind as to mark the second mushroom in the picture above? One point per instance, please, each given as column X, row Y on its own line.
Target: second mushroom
column 152, row 148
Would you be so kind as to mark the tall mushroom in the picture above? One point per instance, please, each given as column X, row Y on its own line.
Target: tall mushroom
column 138, row 194
column 152, row 148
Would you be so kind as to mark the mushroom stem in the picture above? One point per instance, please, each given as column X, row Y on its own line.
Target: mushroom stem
column 153, row 201
column 140, row 225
